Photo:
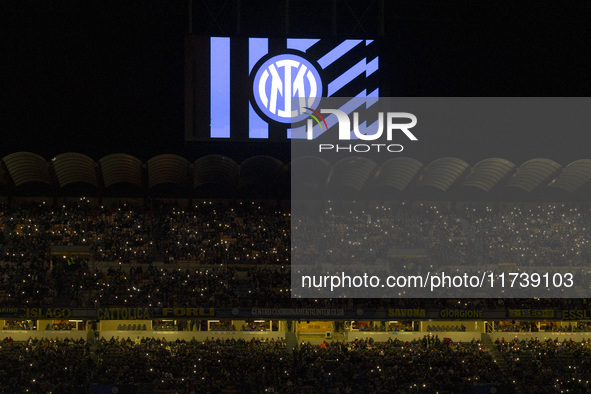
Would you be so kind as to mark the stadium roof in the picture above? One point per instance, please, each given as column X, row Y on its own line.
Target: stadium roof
column 266, row 176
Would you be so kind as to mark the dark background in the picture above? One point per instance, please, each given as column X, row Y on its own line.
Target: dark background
column 103, row 77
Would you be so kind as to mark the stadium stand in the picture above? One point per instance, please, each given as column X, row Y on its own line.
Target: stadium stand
column 69, row 262
column 133, row 365
column 240, row 251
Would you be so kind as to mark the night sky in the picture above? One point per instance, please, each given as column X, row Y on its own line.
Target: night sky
column 104, row 77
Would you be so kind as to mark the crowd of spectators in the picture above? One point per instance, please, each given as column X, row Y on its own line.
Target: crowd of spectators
column 526, row 326
column 215, row 286
column 549, row 366
column 425, row 365
column 238, row 255
column 249, row 232
column 44, row 366
column 207, row 233
column 240, row 250
column 577, row 327
column 19, row 325
column 471, row 234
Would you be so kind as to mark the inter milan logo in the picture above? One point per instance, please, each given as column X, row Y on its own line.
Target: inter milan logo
column 282, row 78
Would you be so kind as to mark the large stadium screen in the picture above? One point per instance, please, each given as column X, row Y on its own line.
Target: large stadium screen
column 241, row 89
